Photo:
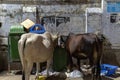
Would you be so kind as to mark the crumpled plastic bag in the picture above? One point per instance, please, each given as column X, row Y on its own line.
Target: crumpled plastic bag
column 75, row 74
column 45, row 72
column 103, row 72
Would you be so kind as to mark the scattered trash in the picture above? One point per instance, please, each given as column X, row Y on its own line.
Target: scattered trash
column 103, row 72
column 58, row 76
column 37, row 28
column 44, row 73
column 86, row 69
column 74, row 74
column 27, row 23
column 41, row 78
column 52, row 76
column 118, row 71
column 108, row 70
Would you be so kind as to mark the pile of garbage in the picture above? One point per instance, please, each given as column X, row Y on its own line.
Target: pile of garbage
column 59, row 75
column 106, row 70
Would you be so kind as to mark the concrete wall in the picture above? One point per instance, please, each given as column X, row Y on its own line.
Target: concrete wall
column 12, row 14
column 3, row 53
column 94, row 21
column 102, row 22
column 112, row 31
column 65, row 19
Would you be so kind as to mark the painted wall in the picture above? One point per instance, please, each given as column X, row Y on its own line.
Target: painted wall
column 94, row 20
column 110, row 28
column 12, row 14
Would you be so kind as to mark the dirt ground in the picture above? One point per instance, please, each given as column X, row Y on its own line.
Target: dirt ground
column 11, row 76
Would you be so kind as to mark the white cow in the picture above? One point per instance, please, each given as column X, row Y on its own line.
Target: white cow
column 35, row 48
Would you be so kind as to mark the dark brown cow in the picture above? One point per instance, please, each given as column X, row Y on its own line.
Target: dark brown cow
column 85, row 46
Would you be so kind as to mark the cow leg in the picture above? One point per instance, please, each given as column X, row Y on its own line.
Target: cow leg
column 49, row 62
column 98, row 73
column 28, row 69
column 93, row 73
column 37, row 69
column 23, row 75
column 23, row 68
column 23, row 72
column 69, row 62
column 78, row 63
column 98, row 70
column 98, row 64
column 92, row 64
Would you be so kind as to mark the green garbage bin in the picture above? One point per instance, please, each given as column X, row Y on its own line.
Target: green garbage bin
column 59, row 59
column 14, row 35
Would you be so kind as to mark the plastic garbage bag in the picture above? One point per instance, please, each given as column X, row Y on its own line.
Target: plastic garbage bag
column 75, row 74
column 45, row 72
column 50, row 73
column 103, row 72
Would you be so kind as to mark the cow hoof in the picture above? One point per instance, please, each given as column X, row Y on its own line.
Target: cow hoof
column 37, row 78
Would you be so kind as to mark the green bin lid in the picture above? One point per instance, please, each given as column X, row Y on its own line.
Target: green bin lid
column 17, row 29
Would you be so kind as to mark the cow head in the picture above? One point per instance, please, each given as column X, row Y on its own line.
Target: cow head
column 106, row 42
column 104, row 39
column 55, row 38
column 62, row 40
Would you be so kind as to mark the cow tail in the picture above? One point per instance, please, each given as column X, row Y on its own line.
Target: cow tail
column 99, row 56
column 21, row 47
